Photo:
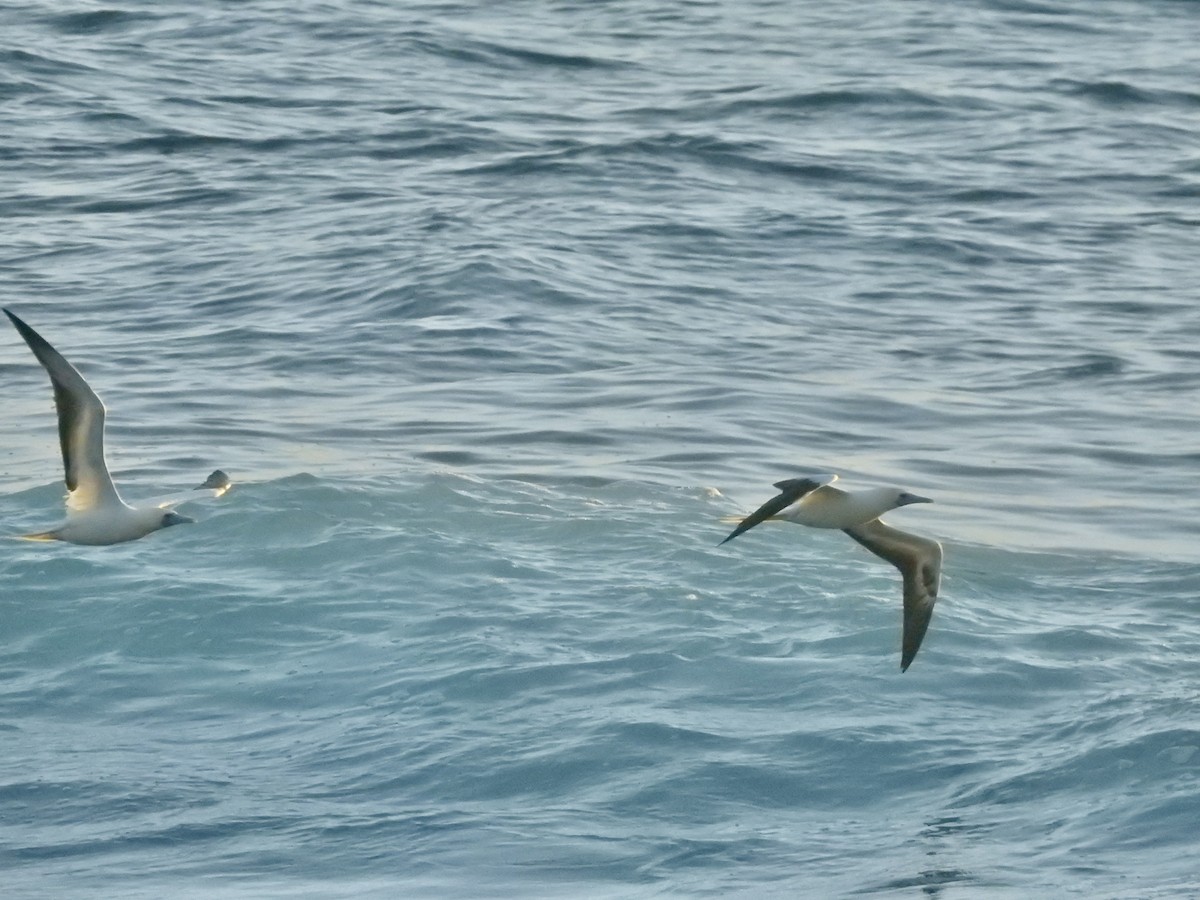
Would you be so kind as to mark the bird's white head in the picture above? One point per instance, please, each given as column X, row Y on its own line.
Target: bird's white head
column 884, row 499
column 904, row 498
column 173, row 518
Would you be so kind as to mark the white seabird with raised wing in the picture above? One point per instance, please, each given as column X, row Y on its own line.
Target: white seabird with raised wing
column 813, row 502
column 96, row 514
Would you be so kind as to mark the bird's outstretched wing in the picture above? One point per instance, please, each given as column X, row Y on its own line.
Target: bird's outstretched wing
column 80, row 426
column 214, row 486
column 919, row 560
column 790, row 490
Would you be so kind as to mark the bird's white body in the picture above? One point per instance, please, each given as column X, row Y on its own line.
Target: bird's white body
column 113, row 523
column 829, row 507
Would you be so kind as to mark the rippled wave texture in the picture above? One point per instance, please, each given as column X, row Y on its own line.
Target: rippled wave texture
column 493, row 311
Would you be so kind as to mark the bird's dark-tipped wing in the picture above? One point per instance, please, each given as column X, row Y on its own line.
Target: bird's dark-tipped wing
column 80, row 424
column 790, row 491
column 920, row 562
column 214, row 486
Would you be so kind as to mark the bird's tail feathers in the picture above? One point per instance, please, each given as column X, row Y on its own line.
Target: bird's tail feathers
column 39, row 536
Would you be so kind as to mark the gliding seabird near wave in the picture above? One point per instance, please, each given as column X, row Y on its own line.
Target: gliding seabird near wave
column 96, row 514
column 811, row 501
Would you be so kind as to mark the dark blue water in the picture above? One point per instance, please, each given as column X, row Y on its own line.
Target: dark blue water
column 492, row 312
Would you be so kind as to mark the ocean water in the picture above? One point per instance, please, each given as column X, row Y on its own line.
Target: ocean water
column 492, row 311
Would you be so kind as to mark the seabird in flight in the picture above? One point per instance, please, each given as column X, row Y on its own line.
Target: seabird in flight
column 812, row 501
column 95, row 512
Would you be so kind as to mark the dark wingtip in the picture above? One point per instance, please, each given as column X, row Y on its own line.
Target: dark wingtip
column 35, row 341
column 791, row 490
column 742, row 528
column 216, row 481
